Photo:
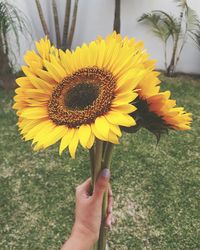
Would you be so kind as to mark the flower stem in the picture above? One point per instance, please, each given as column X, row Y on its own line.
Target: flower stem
column 105, row 164
column 97, row 160
column 100, row 157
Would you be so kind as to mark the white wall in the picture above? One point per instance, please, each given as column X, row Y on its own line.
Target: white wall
column 95, row 17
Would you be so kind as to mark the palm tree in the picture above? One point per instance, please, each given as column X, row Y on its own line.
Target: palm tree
column 12, row 21
column 167, row 26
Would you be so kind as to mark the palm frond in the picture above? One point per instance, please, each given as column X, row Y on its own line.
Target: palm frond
column 192, row 20
column 182, row 3
column 196, row 37
column 12, row 20
column 163, row 24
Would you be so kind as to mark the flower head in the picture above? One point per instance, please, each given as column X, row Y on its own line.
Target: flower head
column 155, row 111
column 73, row 97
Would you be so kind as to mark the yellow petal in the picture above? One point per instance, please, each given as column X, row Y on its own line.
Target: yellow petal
column 44, row 75
column 66, row 61
column 93, row 53
column 125, row 97
column 90, row 141
column 34, row 113
column 73, row 144
column 53, row 72
column 102, row 126
column 129, row 80
column 24, row 82
column 27, row 71
column 59, row 69
column 115, row 129
column 120, row 119
column 32, row 133
column 113, row 138
column 28, row 125
column 44, row 133
column 66, row 140
column 84, row 133
column 124, row 108
column 41, row 84
column 101, row 53
column 97, row 133
column 56, row 134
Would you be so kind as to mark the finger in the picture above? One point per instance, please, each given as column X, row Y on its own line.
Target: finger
column 108, row 220
column 101, row 184
column 113, row 220
column 110, row 199
column 84, row 187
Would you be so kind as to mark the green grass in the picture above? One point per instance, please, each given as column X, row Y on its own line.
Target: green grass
column 156, row 189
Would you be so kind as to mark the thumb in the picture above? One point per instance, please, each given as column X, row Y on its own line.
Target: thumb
column 101, row 184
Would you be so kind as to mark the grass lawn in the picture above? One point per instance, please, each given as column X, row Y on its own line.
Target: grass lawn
column 156, row 189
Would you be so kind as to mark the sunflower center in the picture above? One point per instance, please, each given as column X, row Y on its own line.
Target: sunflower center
column 81, row 96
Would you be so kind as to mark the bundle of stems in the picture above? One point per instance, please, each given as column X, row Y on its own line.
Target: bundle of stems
column 100, row 158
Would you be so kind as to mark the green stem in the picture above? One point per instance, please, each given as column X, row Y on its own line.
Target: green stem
column 97, row 160
column 96, row 153
column 100, row 157
column 107, row 157
column 92, row 162
column 92, row 157
column 105, row 164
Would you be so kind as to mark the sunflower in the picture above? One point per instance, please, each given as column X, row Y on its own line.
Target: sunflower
column 77, row 96
column 165, row 108
column 155, row 111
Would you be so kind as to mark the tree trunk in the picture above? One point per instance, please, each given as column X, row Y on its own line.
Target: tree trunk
column 4, row 60
column 116, row 25
column 6, row 72
column 66, row 24
column 42, row 18
column 172, row 65
column 73, row 24
column 56, row 23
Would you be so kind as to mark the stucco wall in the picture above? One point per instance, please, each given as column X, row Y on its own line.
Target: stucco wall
column 96, row 17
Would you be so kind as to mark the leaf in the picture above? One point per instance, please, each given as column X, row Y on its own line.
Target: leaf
column 12, row 22
column 163, row 25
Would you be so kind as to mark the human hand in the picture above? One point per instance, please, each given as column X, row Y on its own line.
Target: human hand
column 89, row 208
column 87, row 224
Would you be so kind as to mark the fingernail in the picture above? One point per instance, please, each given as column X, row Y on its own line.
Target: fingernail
column 105, row 173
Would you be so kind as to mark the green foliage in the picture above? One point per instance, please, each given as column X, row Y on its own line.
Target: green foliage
column 163, row 25
column 166, row 26
column 13, row 23
column 197, row 38
column 155, row 189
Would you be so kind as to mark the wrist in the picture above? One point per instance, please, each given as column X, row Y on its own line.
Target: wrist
column 80, row 239
column 81, row 232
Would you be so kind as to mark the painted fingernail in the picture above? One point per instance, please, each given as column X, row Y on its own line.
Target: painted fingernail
column 105, row 173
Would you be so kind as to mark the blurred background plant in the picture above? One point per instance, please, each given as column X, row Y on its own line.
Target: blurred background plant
column 13, row 24
column 117, row 21
column 196, row 37
column 168, row 27
column 64, row 41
